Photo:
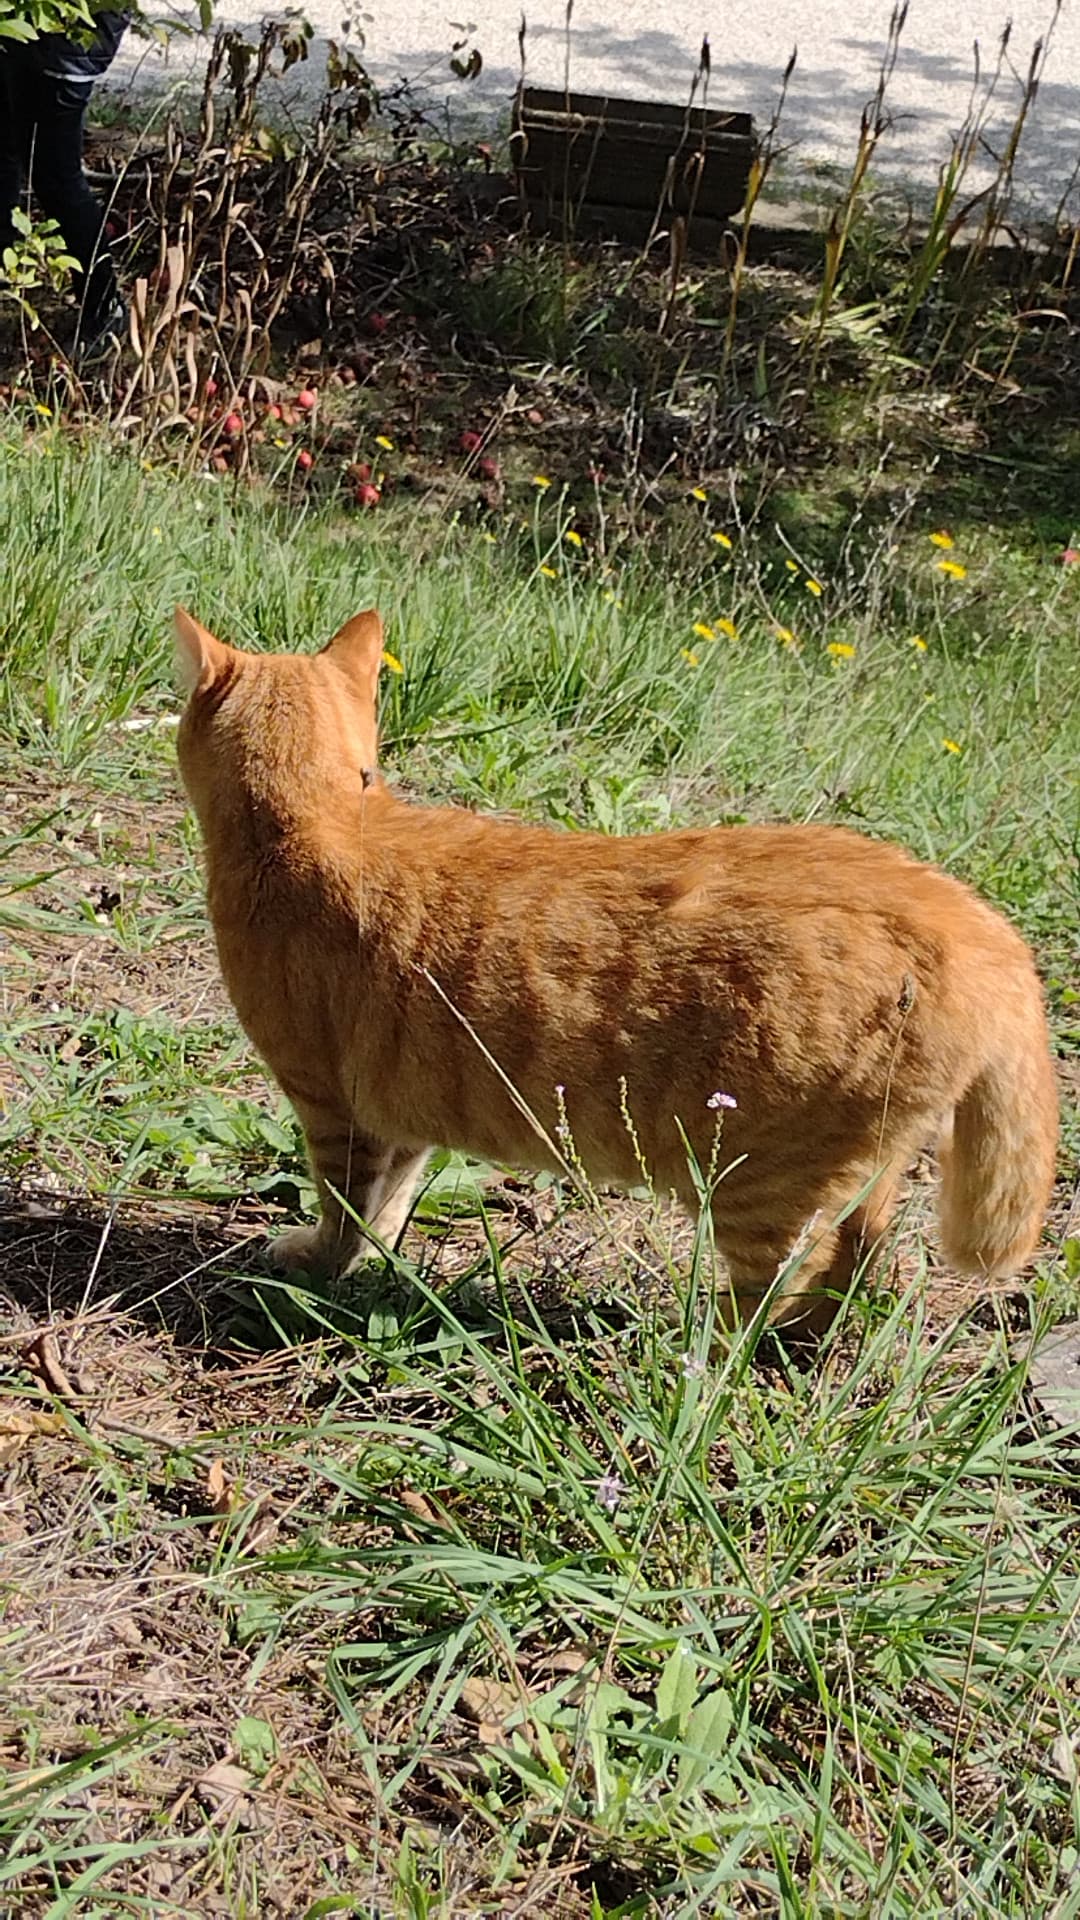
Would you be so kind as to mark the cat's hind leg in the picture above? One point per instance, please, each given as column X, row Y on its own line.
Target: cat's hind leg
column 826, row 1255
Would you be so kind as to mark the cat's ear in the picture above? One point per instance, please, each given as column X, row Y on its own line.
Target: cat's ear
column 358, row 649
column 199, row 657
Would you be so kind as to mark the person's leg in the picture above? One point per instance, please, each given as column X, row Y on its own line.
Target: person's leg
column 60, row 185
column 16, row 126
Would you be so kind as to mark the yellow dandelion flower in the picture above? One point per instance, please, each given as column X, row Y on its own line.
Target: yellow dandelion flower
column 698, row 493
column 489, row 537
column 722, row 540
column 574, row 538
column 727, row 627
column 155, row 533
column 815, row 587
column 703, row 632
column 147, row 466
column 841, row 650
column 786, row 637
column 953, row 568
column 917, row 642
column 40, row 407
column 942, row 540
column 549, row 573
column 690, row 657
column 792, row 566
column 612, row 599
column 952, row 746
column 391, row 660
column 541, row 480
column 382, row 441
column 279, row 442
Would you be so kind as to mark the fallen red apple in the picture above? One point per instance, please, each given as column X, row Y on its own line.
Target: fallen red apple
column 487, row 468
column 378, row 322
column 304, row 460
column 273, row 411
column 470, row 441
column 306, row 399
column 366, row 495
column 211, row 386
column 232, row 424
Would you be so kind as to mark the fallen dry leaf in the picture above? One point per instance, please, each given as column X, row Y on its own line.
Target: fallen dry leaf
column 18, row 1425
column 223, row 1789
column 42, row 1356
column 1055, row 1374
column 563, row 1660
column 1063, row 1758
column 256, row 1529
column 492, row 1704
column 260, row 1527
column 418, row 1503
column 126, row 1630
column 219, row 1488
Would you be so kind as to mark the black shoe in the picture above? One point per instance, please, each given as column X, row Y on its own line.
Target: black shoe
column 102, row 334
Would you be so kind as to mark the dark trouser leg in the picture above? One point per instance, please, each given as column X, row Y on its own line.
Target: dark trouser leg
column 60, row 186
column 15, row 132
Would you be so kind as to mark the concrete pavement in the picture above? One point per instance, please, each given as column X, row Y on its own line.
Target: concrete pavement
column 632, row 47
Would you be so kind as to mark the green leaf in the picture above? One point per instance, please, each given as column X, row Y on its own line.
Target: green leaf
column 549, row 1753
column 255, row 1743
column 707, row 1737
column 454, row 1186
column 677, row 1687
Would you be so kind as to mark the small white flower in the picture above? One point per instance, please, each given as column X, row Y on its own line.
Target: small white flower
column 692, row 1367
column 726, row 1100
column 609, row 1491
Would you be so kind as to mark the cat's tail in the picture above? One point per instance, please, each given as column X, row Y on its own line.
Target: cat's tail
column 997, row 1160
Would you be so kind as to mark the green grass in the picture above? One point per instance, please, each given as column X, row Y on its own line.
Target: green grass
column 613, row 1621
column 573, row 697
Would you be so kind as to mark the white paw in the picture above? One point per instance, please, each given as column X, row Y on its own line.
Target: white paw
column 300, row 1250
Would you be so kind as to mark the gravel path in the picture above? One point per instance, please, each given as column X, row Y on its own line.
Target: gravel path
column 637, row 48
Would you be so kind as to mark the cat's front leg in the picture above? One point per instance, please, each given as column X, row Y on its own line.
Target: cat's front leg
column 390, row 1201
column 376, row 1181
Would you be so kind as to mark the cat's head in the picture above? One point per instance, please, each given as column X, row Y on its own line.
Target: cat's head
column 287, row 727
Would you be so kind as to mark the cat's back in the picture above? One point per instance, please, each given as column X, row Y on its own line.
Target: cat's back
column 444, row 877
column 827, row 884
column 784, row 868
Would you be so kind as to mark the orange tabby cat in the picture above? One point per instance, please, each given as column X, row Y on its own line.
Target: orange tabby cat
column 424, row 976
